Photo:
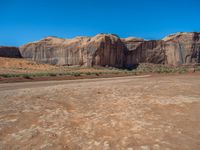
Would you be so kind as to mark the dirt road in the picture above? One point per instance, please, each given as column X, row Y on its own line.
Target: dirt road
column 21, row 85
column 143, row 113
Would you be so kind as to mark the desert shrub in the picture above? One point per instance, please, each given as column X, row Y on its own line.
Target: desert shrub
column 26, row 76
column 7, row 75
column 76, row 74
column 88, row 73
column 52, row 74
column 182, row 70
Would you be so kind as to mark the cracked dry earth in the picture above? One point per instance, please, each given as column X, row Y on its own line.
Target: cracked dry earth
column 126, row 113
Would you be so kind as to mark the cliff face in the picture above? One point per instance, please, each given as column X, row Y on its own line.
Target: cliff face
column 6, row 51
column 110, row 50
column 85, row 51
column 182, row 48
column 175, row 49
column 141, row 51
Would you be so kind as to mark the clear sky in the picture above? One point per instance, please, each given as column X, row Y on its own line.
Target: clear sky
column 23, row 21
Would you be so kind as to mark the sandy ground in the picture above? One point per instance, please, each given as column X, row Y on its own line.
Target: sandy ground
column 23, row 66
column 126, row 113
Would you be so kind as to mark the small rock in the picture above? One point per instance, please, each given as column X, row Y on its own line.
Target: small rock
column 106, row 145
column 145, row 147
column 156, row 147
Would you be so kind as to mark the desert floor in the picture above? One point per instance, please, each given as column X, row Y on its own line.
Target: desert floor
column 130, row 113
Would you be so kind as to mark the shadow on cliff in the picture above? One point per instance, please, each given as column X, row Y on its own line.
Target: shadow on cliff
column 12, row 52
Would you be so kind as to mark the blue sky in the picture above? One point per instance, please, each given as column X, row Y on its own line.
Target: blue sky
column 23, row 21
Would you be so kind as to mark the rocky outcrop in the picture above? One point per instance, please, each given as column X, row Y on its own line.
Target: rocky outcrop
column 110, row 50
column 182, row 48
column 6, row 51
column 141, row 51
column 100, row 50
column 175, row 49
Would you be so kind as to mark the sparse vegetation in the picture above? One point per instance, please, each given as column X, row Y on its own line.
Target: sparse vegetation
column 28, row 69
column 26, row 76
column 152, row 68
column 197, row 68
column 182, row 70
column 76, row 74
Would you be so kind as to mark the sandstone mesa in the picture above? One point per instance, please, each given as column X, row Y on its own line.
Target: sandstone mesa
column 111, row 50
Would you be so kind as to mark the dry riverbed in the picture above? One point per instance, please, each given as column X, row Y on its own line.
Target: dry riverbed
column 130, row 113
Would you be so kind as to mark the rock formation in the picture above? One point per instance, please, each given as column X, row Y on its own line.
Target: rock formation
column 182, row 48
column 141, row 51
column 6, row 51
column 110, row 50
column 85, row 51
